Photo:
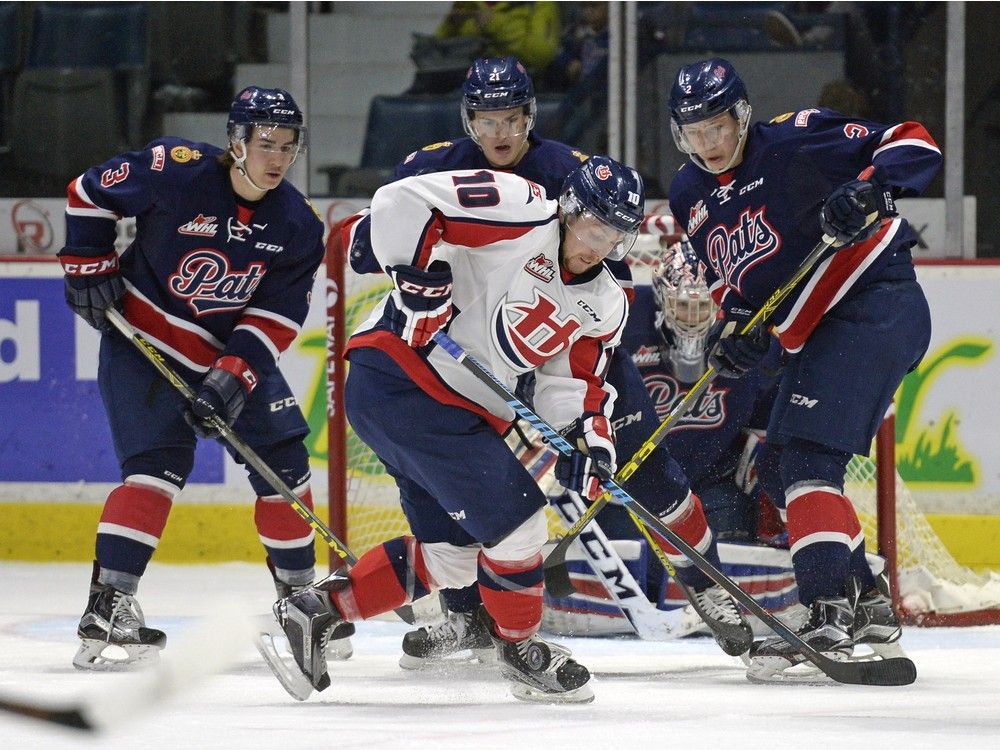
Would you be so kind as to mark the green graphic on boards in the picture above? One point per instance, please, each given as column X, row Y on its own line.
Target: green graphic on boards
column 933, row 454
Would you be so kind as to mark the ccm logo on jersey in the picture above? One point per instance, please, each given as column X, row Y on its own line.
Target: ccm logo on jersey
column 269, row 248
column 589, row 310
column 800, row 400
column 284, row 403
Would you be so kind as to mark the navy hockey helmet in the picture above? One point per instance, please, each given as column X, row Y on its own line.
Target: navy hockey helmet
column 701, row 91
column 259, row 107
column 610, row 192
column 685, row 309
column 497, row 83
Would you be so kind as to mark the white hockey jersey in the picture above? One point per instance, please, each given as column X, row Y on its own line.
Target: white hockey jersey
column 514, row 309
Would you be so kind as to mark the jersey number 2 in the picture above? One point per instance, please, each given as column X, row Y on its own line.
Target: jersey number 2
column 475, row 191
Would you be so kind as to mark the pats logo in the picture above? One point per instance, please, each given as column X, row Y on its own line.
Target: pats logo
column 200, row 226
column 205, row 282
column 734, row 251
column 541, row 268
column 699, row 212
column 183, row 154
column 526, row 334
column 708, row 412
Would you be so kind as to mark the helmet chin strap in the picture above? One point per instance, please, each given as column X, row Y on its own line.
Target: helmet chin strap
column 240, row 163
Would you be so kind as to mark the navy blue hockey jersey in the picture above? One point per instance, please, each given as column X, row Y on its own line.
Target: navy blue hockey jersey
column 754, row 225
column 204, row 274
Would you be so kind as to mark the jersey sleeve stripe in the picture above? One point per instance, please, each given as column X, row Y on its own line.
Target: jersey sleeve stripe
column 78, row 203
column 906, row 134
column 275, row 336
column 827, row 286
column 478, row 233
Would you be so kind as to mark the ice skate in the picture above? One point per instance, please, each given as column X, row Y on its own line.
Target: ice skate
column 875, row 621
column 723, row 616
column 539, row 671
column 113, row 633
column 828, row 630
column 338, row 649
column 309, row 620
column 461, row 637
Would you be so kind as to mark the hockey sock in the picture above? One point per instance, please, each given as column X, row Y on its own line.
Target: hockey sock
column 386, row 577
column 462, row 600
column 286, row 536
column 688, row 521
column 512, row 593
column 823, row 528
column 131, row 525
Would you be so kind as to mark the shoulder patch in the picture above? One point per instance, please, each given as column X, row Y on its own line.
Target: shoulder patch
column 781, row 118
column 159, row 157
column 183, row 154
column 579, row 155
column 436, row 146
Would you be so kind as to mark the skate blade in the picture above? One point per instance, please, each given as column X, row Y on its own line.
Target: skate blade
column 287, row 671
column 338, row 649
column 101, row 656
column 529, row 694
column 782, row 670
column 470, row 658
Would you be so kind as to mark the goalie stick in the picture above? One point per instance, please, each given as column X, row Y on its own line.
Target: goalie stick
column 556, row 575
column 893, row 671
column 239, row 445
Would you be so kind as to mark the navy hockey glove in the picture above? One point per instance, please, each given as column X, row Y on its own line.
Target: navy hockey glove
column 420, row 304
column 735, row 354
column 92, row 286
column 854, row 211
column 223, row 392
column 593, row 458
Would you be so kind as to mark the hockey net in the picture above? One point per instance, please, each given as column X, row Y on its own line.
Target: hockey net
column 929, row 587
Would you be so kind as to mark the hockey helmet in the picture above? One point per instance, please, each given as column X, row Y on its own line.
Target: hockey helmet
column 257, row 107
column 493, row 84
column 610, row 192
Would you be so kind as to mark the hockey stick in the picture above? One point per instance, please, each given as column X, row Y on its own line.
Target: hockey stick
column 556, row 575
column 893, row 671
column 212, row 645
column 239, row 445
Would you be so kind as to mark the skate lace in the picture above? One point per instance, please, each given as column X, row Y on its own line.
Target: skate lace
column 452, row 630
column 125, row 613
column 717, row 603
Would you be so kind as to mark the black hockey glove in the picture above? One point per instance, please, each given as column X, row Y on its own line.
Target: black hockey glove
column 92, row 286
column 420, row 305
column 735, row 354
column 854, row 211
column 592, row 461
column 223, row 392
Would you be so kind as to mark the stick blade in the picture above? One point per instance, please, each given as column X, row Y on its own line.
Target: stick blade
column 884, row 672
column 557, row 581
column 74, row 718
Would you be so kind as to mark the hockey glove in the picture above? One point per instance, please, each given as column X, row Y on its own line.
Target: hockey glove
column 854, row 211
column 420, row 304
column 92, row 286
column 593, row 458
column 223, row 393
column 735, row 354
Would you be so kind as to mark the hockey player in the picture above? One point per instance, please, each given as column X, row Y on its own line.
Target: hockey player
column 498, row 111
column 755, row 200
column 218, row 278
column 519, row 283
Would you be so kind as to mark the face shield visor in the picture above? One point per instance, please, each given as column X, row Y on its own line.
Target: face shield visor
column 514, row 122
column 592, row 231
column 273, row 139
column 705, row 134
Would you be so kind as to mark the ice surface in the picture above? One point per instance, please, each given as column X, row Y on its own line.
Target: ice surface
column 683, row 695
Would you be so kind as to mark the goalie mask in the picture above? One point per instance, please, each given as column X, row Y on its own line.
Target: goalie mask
column 264, row 111
column 686, row 310
column 701, row 92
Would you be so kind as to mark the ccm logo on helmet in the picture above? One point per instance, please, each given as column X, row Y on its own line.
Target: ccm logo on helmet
column 283, row 111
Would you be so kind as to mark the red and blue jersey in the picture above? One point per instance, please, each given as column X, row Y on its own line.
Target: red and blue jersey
column 754, row 225
column 205, row 273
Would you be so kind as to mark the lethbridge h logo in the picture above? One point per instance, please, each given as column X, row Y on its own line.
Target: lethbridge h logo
column 204, row 280
column 529, row 333
column 733, row 252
